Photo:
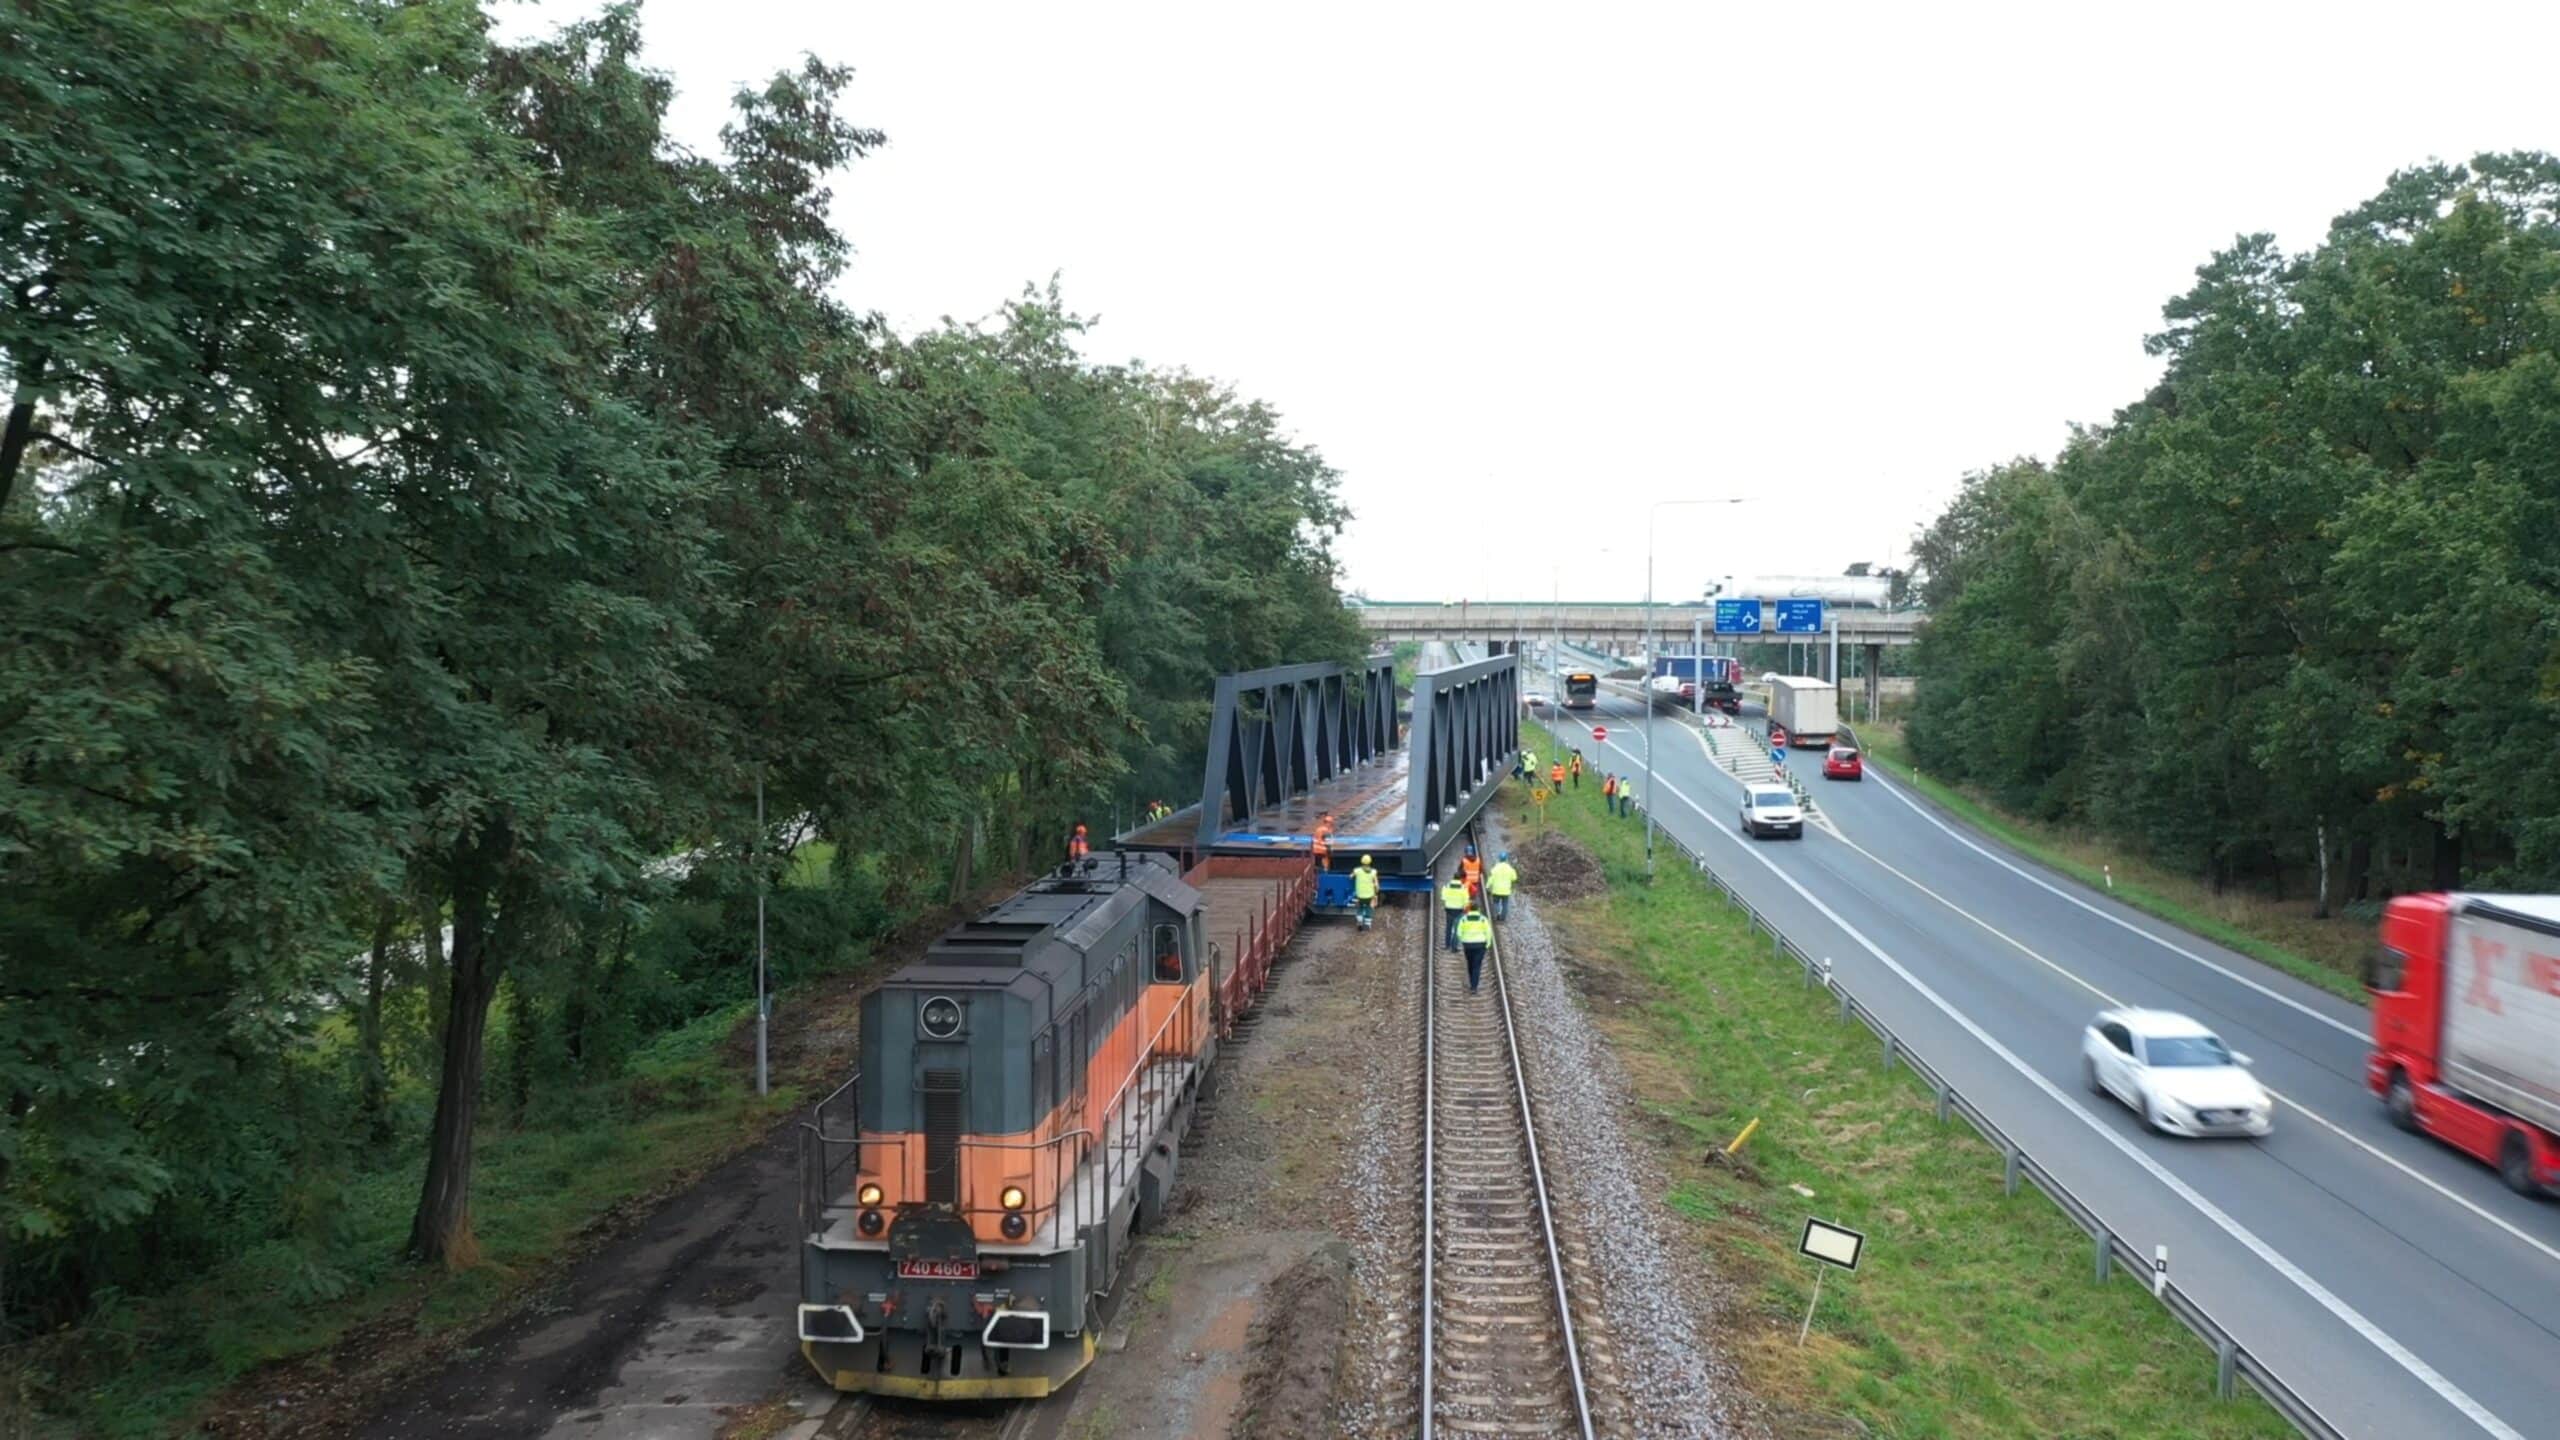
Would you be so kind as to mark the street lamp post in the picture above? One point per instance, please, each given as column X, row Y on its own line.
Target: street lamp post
column 1649, row 648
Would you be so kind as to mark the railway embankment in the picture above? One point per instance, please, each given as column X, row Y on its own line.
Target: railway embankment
column 1972, row 1313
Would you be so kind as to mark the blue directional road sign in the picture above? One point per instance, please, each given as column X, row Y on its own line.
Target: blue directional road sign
column 1799, row 617
column 1737, row 617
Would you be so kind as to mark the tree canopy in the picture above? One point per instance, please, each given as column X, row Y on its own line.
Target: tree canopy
column 2291, row 615
column 429, row 495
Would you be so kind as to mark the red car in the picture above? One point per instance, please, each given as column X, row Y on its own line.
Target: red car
column 1842, row 762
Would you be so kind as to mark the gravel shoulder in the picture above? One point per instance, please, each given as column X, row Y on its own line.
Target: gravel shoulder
column 1233, row 1316
column 1643, row 1295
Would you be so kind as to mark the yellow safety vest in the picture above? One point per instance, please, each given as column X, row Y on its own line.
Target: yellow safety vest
column 1453, row 896
column 1364, row 883
column 1475, row 930
column 1502, row 878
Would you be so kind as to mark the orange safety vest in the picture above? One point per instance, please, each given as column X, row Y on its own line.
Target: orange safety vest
column 1555, row 774
column 1577, row 765
column 1609, row 786
column 1471, row 869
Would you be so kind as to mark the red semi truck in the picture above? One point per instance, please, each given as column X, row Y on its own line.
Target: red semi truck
column 2466, row 1027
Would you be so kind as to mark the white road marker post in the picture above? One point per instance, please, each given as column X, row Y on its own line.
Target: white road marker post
column 2159, row 1270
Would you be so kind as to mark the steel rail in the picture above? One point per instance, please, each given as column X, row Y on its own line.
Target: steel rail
column 1430, row 1150
column 1537, row 1176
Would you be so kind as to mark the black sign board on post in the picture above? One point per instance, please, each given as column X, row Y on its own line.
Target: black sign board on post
column 1833, row 1245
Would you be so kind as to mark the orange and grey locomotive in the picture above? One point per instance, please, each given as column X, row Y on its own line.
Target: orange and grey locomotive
column 972, row 1192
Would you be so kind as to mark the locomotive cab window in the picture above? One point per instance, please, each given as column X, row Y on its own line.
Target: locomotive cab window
column 1168, row 954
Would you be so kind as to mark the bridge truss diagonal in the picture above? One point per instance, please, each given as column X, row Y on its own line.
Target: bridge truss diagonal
column 1466, row 726
column 1279, row 733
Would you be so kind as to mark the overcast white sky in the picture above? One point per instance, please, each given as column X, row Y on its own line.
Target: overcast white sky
column 1522, row 273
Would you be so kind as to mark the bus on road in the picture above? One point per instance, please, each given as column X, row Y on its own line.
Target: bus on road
column 1581, row 690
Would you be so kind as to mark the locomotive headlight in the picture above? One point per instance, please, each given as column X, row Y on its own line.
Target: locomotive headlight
column 1014, row 1225
column 869, row 1194
column 1011, row 1197
column 870, row 1222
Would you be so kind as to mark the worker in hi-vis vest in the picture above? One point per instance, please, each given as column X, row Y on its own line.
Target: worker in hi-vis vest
column 1475, row 933
column 1364, row 890
column 1453, row 904
column 1498, row 883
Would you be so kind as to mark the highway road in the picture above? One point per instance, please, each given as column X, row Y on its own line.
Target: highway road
column 2397, row 1285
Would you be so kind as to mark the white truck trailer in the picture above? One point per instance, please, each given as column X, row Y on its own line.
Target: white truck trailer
column 1808, row 709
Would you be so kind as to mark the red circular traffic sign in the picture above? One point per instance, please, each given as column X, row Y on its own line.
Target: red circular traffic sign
column 1599, row 732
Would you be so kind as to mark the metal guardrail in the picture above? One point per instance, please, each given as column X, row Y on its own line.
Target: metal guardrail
column 2107, row 1248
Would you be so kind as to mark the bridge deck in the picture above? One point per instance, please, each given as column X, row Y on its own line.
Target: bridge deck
column 1369, row 805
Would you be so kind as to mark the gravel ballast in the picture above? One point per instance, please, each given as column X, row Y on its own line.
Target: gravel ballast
column 1649, row 1299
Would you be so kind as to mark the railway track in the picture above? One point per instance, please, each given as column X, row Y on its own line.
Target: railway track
column 1499, row 1356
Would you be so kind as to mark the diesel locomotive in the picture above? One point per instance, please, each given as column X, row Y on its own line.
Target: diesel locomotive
column 971, row 1194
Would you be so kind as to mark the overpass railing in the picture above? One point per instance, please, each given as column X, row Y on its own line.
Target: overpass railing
column 2108, row 1249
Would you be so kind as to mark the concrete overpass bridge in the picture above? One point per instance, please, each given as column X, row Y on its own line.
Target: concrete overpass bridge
column 1620, row 627
column 1612, row 625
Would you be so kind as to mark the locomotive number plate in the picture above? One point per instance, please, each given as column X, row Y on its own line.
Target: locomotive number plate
column 937, row 1269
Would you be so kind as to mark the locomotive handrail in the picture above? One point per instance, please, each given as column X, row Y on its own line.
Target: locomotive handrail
column 818, row 1113
column 1067, row 1199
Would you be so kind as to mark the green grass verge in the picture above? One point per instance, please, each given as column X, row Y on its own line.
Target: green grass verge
column 1973, row 1314
column 2325, row 953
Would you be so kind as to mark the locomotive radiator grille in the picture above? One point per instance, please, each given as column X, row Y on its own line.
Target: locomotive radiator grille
column 940, row 1092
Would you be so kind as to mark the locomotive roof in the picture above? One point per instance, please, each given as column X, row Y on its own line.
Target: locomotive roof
column 1032, row 931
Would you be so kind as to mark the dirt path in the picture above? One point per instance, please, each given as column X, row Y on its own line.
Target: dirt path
column 664, row 1334
column 1235, row 1316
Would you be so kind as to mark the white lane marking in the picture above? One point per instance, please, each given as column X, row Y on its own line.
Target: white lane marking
column 2548, row 1251
column 2117, row 920
column 2274, row 1259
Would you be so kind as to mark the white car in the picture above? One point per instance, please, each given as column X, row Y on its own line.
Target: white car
column 2176, row 1074
column 1536, row 700
column 1771, row 810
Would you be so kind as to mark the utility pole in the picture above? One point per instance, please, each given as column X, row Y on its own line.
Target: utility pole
column 764, row 1001
column 1651, row 516
column 1697, row 665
